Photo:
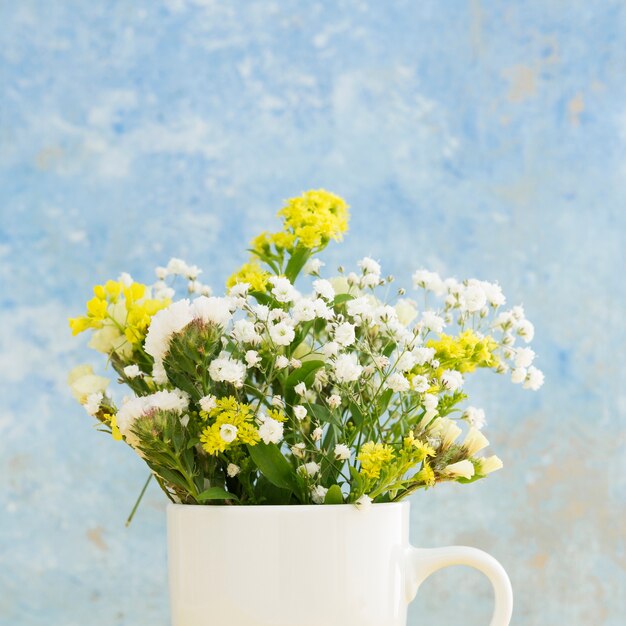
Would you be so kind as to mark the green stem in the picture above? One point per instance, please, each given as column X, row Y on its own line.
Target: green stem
column 139, row 499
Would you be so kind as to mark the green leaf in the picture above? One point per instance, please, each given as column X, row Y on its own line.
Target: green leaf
column 334, row 495
column 216, row 493
column 322, row 414
column 343, row 297
column 273, row 465
column 302, row 374
column 357, row 415
column 298, row 258
column 383, row 403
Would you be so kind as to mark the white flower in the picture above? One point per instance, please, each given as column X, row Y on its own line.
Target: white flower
column 310, row 469
column 282, row 362
column 406, row 362
column 252, row 358
column 298, row 450
column 360, row 309
column 347, row 368
column 432, row 321
column 431, row 281
column 161, row 272
column 232, row 470
column 473, row 297
column 430, row 401
column 524, row 357
column 212, row 310
column 300, row 389
column 299, row 411
column 262, row 312
column 344, row 334
column 92, row 405
column 295, row 363
column 363, row 503
column 503, row 321
column 159, row 375
column 494, row 294
column 526, row 330
column 423, row 355
column 208, row 403
column 322, row 310
column 228, row 432
column 462, row 469
column 271, row 430
column 446, row 430
column 420, row 383
column 245, row 332
column 490, row 464
column 318, row 494
column 239, row 290
column 451, row 379
column 278, row 402
column 83, row 382
column 334, row 401
column 398, row 383
column 330, row 349
column 184, row 420
column 518, row 375
column 406, row 311
column 534, row 379
column 324, row 288
column 163, row 325
column 369, row 280
column 475, row 417
column 304, row 310
column 474, row 441
column 369, row 266
column 313, row 266
column 132, row 371
column 316, row 435
column 282, row 334
column 228, row 370
column 282, row 289
column 342, row 452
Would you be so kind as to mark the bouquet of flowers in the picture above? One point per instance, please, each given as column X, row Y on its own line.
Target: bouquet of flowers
column 325, row 393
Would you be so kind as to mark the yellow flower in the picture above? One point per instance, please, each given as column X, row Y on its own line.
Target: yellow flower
column 373, row 456
column 315, row 217
column 228, row 411
column 250, row 273
column 426, row 475
column 115, row 431
column 420, row 449
column 466, row 352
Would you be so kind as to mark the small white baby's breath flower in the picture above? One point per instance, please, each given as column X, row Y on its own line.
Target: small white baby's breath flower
column 342, row 452
column 475, row 417
column 324, row 288
column 344, row 334
column 423, row 355
column 282, row 334
column 330, row 349
column 432, row 321
column 363, row 503
column 317, row 433
column 298, row 450
column 347, row 368
column 526, row 330
column 420, row 383
column 299, row 411
column 369, row 281
column 295, row 363
column 300, row 389
column 334, row 401
column 271, row 430
column 228, row 432
column 93, row 402
column 132, row 371
column 452, row 380
column 208, row 403
column 398, row 383
column 534, row 379
column 278, row 402
column 313, row 266
column 309, row 469
column 431, row 281
column 318, row 494
column 282, row 362
column 518, row 375
column 282, row 289
column 524, row 357
column 232, row 470
column 252, row 358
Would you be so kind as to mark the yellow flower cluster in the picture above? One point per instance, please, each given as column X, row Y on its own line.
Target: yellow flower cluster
column 419, row 449
column 466, row 352
column 315, row 217
column 251, row 273
column 373, row 457
column 120, row 313
column 239, row 420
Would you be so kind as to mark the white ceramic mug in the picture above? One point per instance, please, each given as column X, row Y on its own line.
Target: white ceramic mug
column 306, row 566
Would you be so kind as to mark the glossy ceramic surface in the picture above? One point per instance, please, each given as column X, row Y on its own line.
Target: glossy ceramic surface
column 305, row 566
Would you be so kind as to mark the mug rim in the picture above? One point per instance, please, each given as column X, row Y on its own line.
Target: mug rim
column 287, row 507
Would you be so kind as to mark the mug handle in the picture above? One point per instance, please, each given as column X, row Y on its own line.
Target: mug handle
column 421, row 563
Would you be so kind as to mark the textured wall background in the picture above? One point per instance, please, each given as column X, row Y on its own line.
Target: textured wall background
column 477, row 138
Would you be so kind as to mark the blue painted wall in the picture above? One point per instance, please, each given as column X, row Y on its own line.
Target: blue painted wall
column 477, row 138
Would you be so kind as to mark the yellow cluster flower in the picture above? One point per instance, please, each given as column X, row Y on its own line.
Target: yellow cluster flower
column 466, row 352
column 282, row 240
column 426, row 475
column 419, row 449
column 373, row 457
column 120, row 313
column 315, row 217
column 233, row 424
column 251, row 273
column 112, row 422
